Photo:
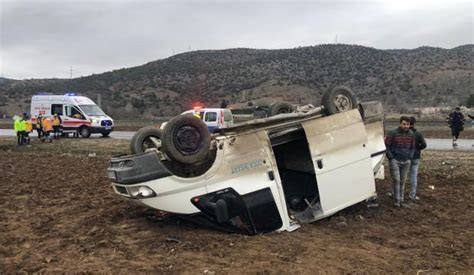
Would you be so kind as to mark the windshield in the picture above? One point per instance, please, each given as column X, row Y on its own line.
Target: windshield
column 92, row 110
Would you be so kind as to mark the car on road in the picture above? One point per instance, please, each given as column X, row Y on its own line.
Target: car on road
column 267, row 174
column 214, row 118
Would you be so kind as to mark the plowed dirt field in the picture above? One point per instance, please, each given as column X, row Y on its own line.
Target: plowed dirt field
column 58, row 213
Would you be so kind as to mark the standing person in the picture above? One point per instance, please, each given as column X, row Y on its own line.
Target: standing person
column 39, row 125
column 23, row 120
column 400, row 144
column 456, row 123
column 28, row 130
column 57, row 126
column 17, row 126
column 420, row 144
column 47, row 128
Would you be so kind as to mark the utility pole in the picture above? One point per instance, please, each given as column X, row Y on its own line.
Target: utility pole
column 70, row 72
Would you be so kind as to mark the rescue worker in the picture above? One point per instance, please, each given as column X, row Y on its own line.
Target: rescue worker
column 28, row 130
column 47, row 128
column 24, row 118
column 197, row 112
column 17, row 125
column 39, row 125
column 57, row 126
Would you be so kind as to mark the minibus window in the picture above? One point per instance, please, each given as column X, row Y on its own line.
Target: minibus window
column 210, row 116
column 92, row 110
column 73, row 112
column 57, row 109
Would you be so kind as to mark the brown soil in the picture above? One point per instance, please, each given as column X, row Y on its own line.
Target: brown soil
column 58, row 213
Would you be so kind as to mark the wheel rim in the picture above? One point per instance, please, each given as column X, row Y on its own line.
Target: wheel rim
column 187, row 140
column 283, row 111
column 84, row 132
column 342, row 102
column 150, row 143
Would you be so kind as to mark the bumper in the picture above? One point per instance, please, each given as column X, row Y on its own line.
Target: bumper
column 101, row 130
column 136, row 168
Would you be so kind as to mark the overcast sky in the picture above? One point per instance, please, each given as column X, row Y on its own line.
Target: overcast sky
column 44, row 39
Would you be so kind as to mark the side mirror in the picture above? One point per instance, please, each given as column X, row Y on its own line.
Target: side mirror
column 219, row 209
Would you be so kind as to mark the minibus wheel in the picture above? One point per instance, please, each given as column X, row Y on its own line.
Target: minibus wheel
column 85, row 132
column 186, row 139
column 145, row 138
column 339, row 99
column 281, row 107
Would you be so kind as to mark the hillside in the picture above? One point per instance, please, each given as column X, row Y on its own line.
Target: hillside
column 424, row 76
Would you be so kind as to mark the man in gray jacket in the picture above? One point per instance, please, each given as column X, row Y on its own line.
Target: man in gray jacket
column 400, row 144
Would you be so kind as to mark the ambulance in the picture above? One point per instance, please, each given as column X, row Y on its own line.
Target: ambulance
column 79, row 114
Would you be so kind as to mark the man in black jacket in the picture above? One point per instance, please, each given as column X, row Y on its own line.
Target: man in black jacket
column 420, row 144
column 400, row 144
column 456, row 123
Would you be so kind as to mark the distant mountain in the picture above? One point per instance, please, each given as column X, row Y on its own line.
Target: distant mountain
column 425, row 76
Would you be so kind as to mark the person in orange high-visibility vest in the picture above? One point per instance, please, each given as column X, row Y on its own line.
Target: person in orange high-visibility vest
column 57, row 126
column 47, row 128
column 39, row 125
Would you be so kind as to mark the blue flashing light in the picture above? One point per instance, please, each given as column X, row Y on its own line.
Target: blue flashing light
column 70, row 94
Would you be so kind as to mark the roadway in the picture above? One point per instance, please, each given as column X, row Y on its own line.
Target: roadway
column 432, row 143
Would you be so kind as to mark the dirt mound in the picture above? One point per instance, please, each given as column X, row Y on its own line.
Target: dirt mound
column 58, row 213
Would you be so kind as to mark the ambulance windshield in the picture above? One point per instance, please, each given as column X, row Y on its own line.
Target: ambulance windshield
column 92, row 110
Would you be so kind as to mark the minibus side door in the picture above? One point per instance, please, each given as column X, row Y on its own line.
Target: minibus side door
column 338, row 146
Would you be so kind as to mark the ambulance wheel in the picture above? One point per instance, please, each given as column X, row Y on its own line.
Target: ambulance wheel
column 186, row 139
column 85, row 132
column 145, row 138
column 339, row 99
column 106, row 134
column 281, row 107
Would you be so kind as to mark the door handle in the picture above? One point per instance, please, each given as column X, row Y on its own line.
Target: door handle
column 319, row 163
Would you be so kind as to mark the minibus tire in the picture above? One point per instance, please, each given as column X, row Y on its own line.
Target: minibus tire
column 186, row 139
column 339, row 99
column 281, row 107
column 85, row 132
column 140, row 138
